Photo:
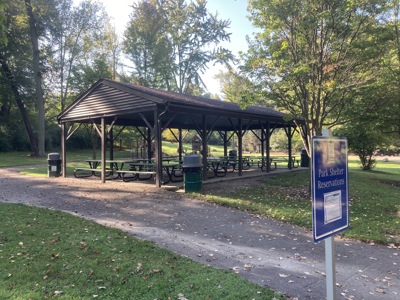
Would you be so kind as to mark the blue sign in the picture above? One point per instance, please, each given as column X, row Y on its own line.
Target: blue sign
column 329, row 186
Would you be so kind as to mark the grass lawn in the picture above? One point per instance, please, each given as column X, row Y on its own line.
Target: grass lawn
column 49, row 254
column 12, row 159
column 374, row 201
column 374, row 195
column 46, row 254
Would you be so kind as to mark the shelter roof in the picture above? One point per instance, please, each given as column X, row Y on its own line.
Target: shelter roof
column 131, row 105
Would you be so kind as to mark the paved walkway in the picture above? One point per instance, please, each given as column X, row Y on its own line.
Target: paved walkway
column 270, row 253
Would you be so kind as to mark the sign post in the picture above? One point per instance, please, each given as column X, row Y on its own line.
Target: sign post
column 329, row 198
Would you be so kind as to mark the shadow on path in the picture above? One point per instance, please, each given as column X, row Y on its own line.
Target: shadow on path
column 270, row 253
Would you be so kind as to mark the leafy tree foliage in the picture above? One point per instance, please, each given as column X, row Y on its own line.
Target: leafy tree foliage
column 315, row 58
column 67, row 47
column 16, row 72
column 171, row 42
column 79, row 36
column 3, row 35
column 363, row 140
column 37, row 77
column 389, row 87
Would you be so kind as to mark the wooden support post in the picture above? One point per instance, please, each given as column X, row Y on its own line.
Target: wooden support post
column 290, row 166
column 268, row 146
column 158, row 148
column 240, row 147
column 103, row 150
column 111, row 140
column 63, row 150
column 225, row 143
column 148, row 139
column 180, row 143
column 204, row 145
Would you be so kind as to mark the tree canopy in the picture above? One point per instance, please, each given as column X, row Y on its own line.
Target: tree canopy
column 171, row 42
column 42, row 42
column 331, row 63
column 317, row 59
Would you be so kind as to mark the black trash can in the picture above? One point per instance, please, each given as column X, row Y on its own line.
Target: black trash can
column 192, row 173
column 53, row 165
column 305, row 159
column 232, row 154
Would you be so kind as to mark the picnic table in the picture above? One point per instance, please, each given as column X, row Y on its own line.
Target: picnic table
column 262, row 163
column 274, row 161
column 217, row 166
column 295, row 163
column 94, row 170
column 139, row 168
column 233, row 161
column 146, row 169
column 220, row 165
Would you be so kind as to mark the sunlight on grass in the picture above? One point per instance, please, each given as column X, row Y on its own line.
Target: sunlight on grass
column 374, row 207
column 374, row 201
column 50, row 254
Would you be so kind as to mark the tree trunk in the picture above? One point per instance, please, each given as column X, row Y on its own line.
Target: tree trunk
column 38, row 79
column 24, row 114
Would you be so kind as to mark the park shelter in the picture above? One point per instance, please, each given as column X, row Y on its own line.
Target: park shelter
column 110, row 103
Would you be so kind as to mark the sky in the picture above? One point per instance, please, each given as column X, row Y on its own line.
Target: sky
column 234, row 10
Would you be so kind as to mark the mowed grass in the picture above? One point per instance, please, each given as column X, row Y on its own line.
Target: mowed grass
column 12, row 159
column 374, row 201
column 374, row 197
column 47, row 254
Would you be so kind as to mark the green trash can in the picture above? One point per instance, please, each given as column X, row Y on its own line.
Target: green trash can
column 193, row 181
column 53, row 165
column 192, row 173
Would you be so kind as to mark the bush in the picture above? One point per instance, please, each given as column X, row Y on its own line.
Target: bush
column 362, row 141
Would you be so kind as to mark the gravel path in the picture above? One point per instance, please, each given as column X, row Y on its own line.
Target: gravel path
column 278, row 255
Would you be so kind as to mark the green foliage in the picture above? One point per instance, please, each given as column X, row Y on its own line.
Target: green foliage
column 47, row 254
column 12, row 133
column 171, row 42
column 239, row 89
column 279, row 141
column 83, row 47
column 3, row 36
column 363, row 140
column 374, row 211
column 312, row 58
column 85, row 75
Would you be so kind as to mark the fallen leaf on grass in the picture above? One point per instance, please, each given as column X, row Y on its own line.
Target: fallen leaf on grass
column 56, row 293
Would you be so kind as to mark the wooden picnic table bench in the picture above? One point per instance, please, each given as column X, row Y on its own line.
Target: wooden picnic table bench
column 217, row 166
column 88, row 172
column 233, row 161
column 262, row 164
column 114, row 165
column 173, row 170
column 284, row 159
column 135, row 174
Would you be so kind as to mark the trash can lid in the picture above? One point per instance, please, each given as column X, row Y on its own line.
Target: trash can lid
column 192, row 161
column 53, row 156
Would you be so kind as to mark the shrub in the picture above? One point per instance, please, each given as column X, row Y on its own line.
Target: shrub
column 362, row 141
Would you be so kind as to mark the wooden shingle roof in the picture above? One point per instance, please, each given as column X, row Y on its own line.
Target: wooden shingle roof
column 128, row 104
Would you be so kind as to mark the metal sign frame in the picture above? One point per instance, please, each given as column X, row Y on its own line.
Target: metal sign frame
column 329, row 186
